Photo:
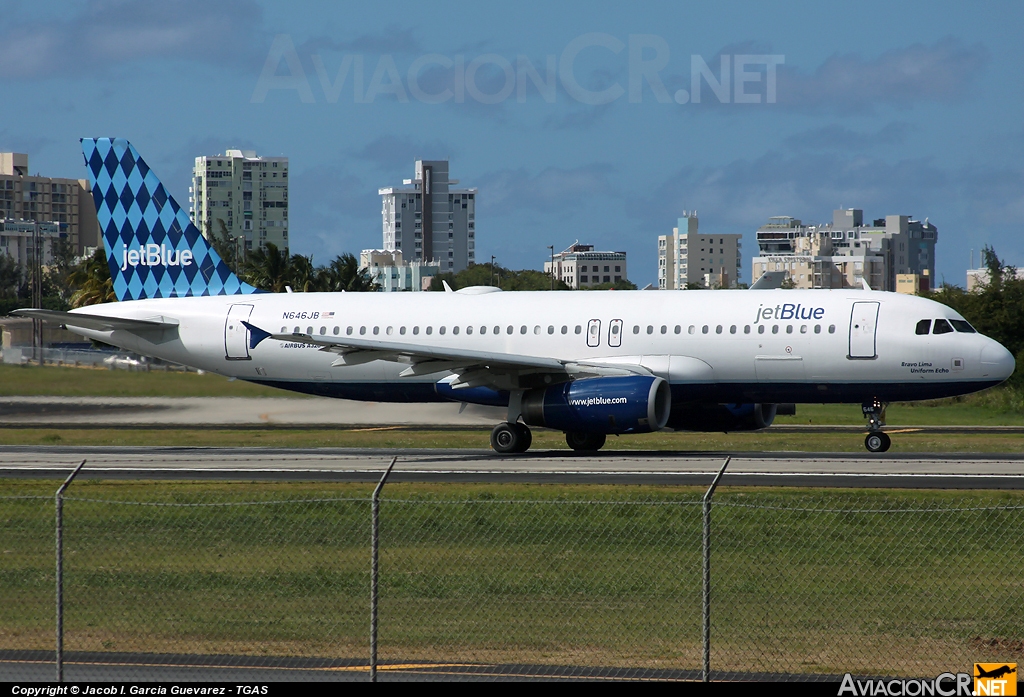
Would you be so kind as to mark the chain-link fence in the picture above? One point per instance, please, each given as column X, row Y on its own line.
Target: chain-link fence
column 263, row 581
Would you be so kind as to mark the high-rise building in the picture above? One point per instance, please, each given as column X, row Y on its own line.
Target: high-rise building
column 580, row 266
column 428, row 219
column 845, row 252
column 688, row 256
column 245, row 192
column 67, row 203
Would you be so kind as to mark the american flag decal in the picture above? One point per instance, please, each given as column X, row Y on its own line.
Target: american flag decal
column 327, row 315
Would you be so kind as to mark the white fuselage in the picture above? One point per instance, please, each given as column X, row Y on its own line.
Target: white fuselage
column 712, row 346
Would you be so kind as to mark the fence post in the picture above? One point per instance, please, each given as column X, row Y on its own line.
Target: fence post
column 374, row 548
column 59, row 499
column 706, row 508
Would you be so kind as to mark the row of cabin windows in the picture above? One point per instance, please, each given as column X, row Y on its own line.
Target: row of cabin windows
column 706, row 329
column 942, row 326
column 537, row 329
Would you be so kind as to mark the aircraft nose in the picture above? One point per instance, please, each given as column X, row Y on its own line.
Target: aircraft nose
column 996, row 361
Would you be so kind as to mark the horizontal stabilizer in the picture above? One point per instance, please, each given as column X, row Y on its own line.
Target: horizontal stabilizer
column 96, row 322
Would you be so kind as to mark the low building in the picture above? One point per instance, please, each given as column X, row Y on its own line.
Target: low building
column 580, row 266
column 24, row 240
column 389, row 271
column 913, row 283
column 689, row 257
column 977, row 279
column 65, row 202
column 846, row 252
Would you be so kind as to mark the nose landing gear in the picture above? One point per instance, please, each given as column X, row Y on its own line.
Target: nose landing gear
column 876, row 441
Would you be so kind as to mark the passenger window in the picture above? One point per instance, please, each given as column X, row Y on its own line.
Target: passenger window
column 323, row 330
column 469, row 330
column 579, row 329
column 746, row 329
column 336, row 330
column 536, row 329
column 376, row 331
column 718, row 329
column 440, row 330
column 309, row 330
column 285, row 329
column 817, row 329
column 522, row 329
column 565, row 329
column 551, row 329
column 692, row 329
column 509, row 330
column 789, row 328
column 732, row 329
column 415, row 330
column 390, row 330
column 636, row 328
column 831, row 329
column 963, row 326
column 664, row 329
column 704, row 329
column 347, row 331
column 941, row 327
column 803, row 328
column 923, row 327
column 362, row 330
column 650, row 329
column 455, row 329
column 775, row 329
column 401, row 331
column 678, row 329
column 430, row 330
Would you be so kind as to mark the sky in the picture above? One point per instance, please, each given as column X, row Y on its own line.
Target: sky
column 599, row 121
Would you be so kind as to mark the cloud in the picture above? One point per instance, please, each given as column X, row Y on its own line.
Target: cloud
column 554, row 190
column 393, row 39
column 941, row 72
column 836, row 137
column 393, row 152
column 110, row 33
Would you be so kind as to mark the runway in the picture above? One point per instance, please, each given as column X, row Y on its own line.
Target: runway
column 918, row 470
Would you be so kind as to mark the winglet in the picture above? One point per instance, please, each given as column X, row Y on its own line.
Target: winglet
column 447, row 288
column 256, row 335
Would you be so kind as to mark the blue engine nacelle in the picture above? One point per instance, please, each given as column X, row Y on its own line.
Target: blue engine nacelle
column 726, row 417
column 633, row 404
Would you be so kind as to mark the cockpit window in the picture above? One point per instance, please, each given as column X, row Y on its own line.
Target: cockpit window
column 924, row 326
column 942, row 327
column 962, row 325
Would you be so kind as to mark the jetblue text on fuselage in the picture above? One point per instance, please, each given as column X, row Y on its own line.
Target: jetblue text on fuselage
column 789, row 311
column 154, row 255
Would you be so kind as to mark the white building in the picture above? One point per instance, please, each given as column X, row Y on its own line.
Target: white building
column 388, row 270
column 977, row 279
column 687, row 256
column 17, row 237
column 580, row 266
column 843, row 253
column 247, row 192
column 430, row 221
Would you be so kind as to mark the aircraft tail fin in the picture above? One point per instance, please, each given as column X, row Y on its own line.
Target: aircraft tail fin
column 153, row 249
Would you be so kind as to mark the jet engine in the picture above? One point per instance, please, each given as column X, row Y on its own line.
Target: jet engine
column 726, row 417
column 633, row 404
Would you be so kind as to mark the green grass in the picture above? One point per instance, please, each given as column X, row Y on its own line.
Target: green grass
column 804, row 580
column 54, row 381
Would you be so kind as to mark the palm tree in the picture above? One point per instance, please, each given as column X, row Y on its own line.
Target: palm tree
column 10, row 277
column 91, row 281
column 344, row 274
column 267, row 268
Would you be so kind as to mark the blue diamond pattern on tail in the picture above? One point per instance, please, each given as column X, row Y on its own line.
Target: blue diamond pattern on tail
column 153, row 249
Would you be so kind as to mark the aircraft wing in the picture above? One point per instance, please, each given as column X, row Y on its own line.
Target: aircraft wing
column 96, row 322
column 473, row 368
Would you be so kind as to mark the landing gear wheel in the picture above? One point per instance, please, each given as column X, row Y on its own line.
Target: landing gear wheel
column 579, row 440
column 877, row 442
column 526, row 435
column 511, row 438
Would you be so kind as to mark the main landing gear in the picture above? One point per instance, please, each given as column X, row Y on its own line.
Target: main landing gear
column 876, row 441
column 580, row 440
column 509, row 437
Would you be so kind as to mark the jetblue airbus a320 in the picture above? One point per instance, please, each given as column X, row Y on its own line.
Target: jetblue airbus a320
column 586, row 363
